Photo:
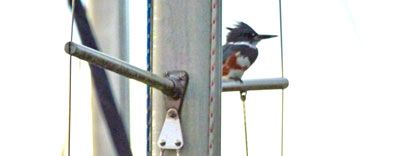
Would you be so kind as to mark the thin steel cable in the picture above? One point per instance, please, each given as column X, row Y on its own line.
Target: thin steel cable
column 243, row 95
column 281, row 37
column 282, row 123
column 282, row 75
column 70, row 82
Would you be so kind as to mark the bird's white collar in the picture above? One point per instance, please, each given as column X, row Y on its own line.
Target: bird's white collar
column 251, row 45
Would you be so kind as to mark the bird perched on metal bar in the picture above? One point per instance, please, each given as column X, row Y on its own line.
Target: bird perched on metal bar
column 240, row 51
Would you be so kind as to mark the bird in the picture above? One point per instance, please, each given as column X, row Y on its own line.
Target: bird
column 240, row 51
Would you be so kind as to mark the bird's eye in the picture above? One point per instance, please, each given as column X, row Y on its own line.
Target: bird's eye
column 253, row 34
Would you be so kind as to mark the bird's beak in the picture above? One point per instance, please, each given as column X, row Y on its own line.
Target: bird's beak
column 260, row 37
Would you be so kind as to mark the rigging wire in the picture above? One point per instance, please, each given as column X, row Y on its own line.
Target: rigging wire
column 282, row 75
column 70, row 81
column 243, row 95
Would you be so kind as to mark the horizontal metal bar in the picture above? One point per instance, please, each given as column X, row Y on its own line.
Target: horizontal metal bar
column 256, row 84
column 100, row 59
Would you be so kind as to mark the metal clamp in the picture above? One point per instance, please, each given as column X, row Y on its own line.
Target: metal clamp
column 171, row 137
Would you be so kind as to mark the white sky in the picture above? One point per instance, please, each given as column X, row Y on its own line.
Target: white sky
column 341, row 58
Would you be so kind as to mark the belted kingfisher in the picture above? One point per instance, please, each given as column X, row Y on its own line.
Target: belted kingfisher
column 240, row 51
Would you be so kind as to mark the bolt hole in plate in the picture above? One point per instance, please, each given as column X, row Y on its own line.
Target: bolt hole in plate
column 171, row 132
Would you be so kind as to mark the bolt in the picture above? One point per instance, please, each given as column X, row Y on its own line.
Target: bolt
column 178, row 143
column 162, row 143
column 180, row 77
column 172, row 114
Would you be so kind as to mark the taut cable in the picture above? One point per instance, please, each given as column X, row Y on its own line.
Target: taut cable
column 243, row 95
column 282, row 75
column 70, row 81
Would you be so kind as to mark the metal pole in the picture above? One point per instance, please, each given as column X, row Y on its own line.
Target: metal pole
column 109, row 21
column 258, row 84
column 181, row 40
column 110, row 25
column 100, row 59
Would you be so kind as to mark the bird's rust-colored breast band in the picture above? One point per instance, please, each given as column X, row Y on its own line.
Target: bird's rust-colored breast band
column 231, row 63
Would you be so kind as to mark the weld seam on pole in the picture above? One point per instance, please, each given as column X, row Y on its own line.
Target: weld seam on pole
column 213, row 78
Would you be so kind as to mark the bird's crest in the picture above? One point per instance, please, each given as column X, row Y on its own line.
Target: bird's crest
column 241, row 26
column 240, row 32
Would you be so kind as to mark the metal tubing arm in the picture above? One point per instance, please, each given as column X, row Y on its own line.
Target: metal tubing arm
column 257, row 84
column 100, row 59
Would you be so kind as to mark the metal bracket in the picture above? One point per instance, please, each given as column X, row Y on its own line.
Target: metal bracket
column 171, row 136
column 180, row 80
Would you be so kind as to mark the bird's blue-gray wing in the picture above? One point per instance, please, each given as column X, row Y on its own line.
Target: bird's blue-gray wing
column 229, row 49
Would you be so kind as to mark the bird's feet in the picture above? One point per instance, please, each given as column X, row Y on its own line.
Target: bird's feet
column 237, row 79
